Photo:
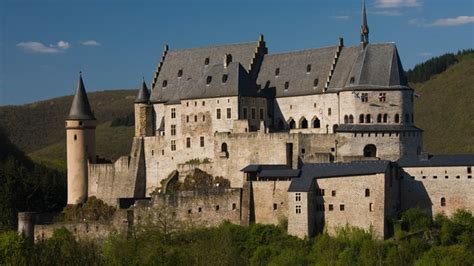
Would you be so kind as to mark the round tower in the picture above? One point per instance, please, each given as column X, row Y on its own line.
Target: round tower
column 80, row 136
column 143, row 113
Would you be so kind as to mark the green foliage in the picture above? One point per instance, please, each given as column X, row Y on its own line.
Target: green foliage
column 198, row 180
column 424, row 71
column 126, row 121
column 93, row 209
column 13, row 249
column 416, row 219
column 26, row 186
column 443, row 110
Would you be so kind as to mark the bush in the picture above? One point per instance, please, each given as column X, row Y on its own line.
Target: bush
column 93, row 209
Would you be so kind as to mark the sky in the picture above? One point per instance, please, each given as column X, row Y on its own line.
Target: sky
column 45, row 43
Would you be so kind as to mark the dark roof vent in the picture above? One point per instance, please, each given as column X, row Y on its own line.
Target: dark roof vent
column 277, row 71
column 287, row 85
column 208, row 80
column 165, row 83
column 206, row 61
column 180, row 73
column 224, row 78
column 315, row 83
column 308, row 68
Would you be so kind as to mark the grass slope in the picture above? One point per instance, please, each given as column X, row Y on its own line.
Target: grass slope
column 38, row 128
column 445, row 109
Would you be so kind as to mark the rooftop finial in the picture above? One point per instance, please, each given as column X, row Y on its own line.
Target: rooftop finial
column 364, row 28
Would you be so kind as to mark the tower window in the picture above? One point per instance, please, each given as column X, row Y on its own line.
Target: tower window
column 298, row 197
column 329, row 111
column 224, row 78
column 277, row 71
column 180, row 73
column 443, row 202
column 229, row 113
column 352, row 80
column 298, row 209
column 469, row 170
column 165, row 83
column 308, row 68
column 173, row 112
column 208, row 79
column 195, row 118
column 275, row 206
column 201, row 140
column 287, row 85
column 188, row 142
column 206, row 61
column 315, row 83
column 75, row 137
column 367, row 192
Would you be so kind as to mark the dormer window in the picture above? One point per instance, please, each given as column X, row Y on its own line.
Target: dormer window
column 206, row 61
column 287, row 85
column 180, row 73
column 165, row 83
column 352, row 80
column 224, row 78
column 315, row 83
column 308, row 68
column 208, row 80
column 277, row 71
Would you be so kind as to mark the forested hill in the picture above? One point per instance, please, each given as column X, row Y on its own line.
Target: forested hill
column 38, row 128
column 25, row 185
column 445, row 108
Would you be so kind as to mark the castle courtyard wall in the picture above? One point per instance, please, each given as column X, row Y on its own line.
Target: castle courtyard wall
column 270, row 201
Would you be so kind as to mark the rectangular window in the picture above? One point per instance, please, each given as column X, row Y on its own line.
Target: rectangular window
column 329, row 111
column 320, row 192
column 382, row 97
column 333, row 193
column 298, row 209
column 253, row 113
column 341, row 207
column 331, row 207
column 202, row 141
column 218, row 113
column 229, row 113
column 275, row 206
column 173, row 145
column 244, row 111
column 469, row 170
column 173, row 113
column 298, row 197
column 364, row 97
column 188, row 142
column 261, row 114
column 173, row 130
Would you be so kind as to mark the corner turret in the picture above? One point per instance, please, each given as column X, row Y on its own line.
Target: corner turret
column 80, row 137
column 143, row 113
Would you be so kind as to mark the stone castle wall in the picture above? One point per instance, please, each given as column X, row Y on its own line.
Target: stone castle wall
column 270, row 201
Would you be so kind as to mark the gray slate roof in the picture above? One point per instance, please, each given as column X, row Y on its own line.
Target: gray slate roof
column 80, row 107
column 355, row 128
column 143, row 95
column 437, row 160
column 259, row 167
column 309, row 172
column 192, row 64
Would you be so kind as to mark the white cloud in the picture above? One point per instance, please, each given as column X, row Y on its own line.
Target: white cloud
column 425, row 54
column 461, row 20
column 396, row 3
column 341, row 17
column 37, row 47
column 388, row 13
column 90, row 43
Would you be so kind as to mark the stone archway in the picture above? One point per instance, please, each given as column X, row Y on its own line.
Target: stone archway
column 370, row 151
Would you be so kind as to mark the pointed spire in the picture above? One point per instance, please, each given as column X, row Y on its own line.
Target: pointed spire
column 364, row 28
column 143, row 95
column 80, row 108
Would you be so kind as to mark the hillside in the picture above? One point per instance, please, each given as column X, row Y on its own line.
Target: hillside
column 445, row 110
column 38, row 128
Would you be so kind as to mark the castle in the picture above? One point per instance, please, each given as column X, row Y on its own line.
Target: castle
column 322, row 137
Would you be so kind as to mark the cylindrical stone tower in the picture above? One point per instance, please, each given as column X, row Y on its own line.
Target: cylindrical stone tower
column 143, row 113
column 80, row 136
column 26, row 224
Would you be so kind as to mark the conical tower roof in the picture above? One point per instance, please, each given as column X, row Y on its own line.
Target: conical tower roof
column 80, row 108
column 143, row 95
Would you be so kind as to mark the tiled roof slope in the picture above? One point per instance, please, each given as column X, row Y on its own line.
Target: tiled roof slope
column 80, row 107
column 309, row 172
column 192, row 64
column 426, row 160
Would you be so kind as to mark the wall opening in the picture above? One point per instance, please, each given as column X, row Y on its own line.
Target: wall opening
column 370, row 151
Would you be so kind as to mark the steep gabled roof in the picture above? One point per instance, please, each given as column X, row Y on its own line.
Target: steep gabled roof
column 310, row 172
column 182, row 69
column 80, row 107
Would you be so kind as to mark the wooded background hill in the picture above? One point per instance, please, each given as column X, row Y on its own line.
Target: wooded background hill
column 444, row 110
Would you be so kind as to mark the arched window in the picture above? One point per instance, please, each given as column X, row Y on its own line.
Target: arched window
column 316, row 122
column 367, row 192
column 397, row 118
column 370, row 151
column 361, row 118
column 346, row 119
column 334, row 128
column 292, row 123
column 385, row 118
column 303, row 123
column 407, row 118
column 351, row 119
column 367, row 118
column 443, row 202
column 379, row 118
column 224, row 149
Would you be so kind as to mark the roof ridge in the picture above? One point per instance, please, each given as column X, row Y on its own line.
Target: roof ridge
column 212, row 46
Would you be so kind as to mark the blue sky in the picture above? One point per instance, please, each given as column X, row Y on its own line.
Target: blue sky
column 45, row 43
